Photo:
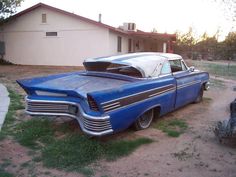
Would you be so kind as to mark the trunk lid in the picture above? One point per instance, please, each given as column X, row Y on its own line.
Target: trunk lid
column 71, row 84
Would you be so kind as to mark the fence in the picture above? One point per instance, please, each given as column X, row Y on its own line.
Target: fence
column 226, row 69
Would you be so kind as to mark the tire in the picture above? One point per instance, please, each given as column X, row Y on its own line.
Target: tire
column 200, row 96
column 145, row 120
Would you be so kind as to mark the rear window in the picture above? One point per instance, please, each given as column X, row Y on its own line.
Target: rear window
column 112, row 68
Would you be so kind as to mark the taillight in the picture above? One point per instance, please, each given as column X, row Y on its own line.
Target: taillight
column 92, row 103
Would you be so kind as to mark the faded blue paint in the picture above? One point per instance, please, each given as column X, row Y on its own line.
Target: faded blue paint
column 104, row 87
column 73, row 84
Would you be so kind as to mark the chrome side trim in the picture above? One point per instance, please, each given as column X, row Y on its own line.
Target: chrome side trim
column 50, row 101
column 135, row 94
column 112, row 104
column 112, row 107
column 159, row 93
column 188, row 84
column 50, row 114
column 178, row 72
column 164, row 75
column 148, row 98
column 45, row 93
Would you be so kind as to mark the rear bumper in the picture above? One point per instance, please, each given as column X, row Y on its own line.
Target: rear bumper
column 91, row 125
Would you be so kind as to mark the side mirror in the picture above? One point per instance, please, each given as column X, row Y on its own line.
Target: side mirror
column 191, row 68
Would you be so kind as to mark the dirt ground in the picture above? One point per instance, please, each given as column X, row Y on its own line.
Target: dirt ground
column 195, row 153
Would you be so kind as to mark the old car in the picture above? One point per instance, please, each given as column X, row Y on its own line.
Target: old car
column 116, row 92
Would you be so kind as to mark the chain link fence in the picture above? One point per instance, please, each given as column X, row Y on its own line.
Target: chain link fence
column 226, row 69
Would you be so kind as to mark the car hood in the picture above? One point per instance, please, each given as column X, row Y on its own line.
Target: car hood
column 71, row 84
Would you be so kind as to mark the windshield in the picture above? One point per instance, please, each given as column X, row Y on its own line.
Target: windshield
column 113, row 68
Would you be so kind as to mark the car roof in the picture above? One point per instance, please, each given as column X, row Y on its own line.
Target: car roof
column 168, row 56
column 145, row 62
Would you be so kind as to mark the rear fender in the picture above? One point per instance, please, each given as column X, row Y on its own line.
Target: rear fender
column 156, row 108
column 133, row 92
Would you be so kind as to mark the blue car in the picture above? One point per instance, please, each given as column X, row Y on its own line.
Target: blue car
column 116, row 92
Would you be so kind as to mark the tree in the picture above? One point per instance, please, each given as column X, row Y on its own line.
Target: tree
column 230, row 43
column 206, row 47
column 187, row 38
column 8, row 7
column 204, row 36
column 185, row 42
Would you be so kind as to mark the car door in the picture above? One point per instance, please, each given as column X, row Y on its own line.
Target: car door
column 164, row 77
column 187, row 83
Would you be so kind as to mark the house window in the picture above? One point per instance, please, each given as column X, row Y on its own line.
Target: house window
column 119, row 44
column 51, row 33
column 44, row 18
column 130, row 45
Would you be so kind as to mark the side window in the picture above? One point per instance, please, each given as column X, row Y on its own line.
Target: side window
column 176, row 65
column 166, row 68
column 184, row 67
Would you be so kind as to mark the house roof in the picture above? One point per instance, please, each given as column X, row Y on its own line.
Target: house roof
column 152, row 35
column 132, row 33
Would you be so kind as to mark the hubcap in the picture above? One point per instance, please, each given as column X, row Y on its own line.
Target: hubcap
column 146, row 119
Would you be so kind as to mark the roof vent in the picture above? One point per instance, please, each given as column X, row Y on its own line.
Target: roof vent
column 100, row 18
column 129, row 27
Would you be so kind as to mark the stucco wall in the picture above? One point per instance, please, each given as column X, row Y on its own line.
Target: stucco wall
column 113, row 43
column 26, row 41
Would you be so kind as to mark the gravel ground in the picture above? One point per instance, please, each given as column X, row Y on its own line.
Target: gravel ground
column 195, row 153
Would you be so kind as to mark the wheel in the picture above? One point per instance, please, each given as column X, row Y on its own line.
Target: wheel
column 200, row 95
column 145, row 120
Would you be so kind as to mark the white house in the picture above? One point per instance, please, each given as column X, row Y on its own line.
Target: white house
column 45, row 35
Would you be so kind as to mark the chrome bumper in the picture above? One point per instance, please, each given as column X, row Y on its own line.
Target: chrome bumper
column 91, row 125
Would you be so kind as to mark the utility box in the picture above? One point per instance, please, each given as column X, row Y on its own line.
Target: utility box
column 2, row 48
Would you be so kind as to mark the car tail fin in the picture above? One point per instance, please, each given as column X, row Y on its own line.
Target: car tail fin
column 23, row 85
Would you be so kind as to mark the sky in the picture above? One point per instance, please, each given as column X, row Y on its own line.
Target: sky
column 164, row 15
